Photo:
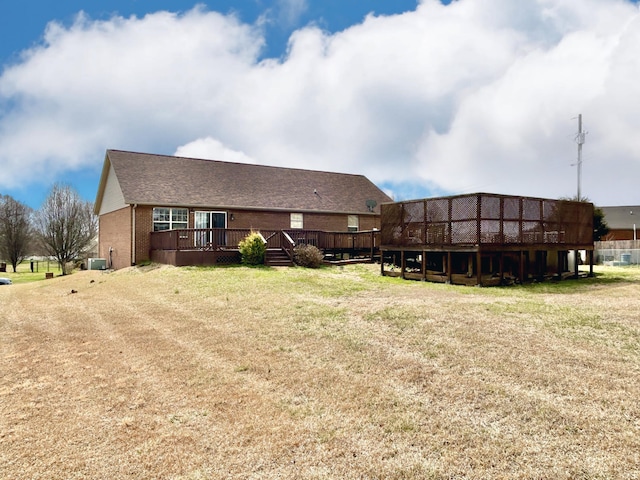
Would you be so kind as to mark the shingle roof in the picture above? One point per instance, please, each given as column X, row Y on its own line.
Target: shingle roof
column 149, row 179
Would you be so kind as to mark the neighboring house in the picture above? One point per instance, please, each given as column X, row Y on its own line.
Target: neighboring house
column 141, row 193
column 623, row 222
column 484, row 239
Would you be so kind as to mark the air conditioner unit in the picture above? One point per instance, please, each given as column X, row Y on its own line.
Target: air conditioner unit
column 97, row 264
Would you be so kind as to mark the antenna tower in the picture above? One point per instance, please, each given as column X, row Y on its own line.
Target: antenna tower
column 580, row 138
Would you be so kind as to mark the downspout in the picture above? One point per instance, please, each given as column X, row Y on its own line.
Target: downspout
column 133, row 235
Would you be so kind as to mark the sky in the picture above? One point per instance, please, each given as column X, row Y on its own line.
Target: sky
column 425, row 98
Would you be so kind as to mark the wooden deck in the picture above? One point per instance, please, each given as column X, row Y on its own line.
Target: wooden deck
column 217, row 246
column 484, row 239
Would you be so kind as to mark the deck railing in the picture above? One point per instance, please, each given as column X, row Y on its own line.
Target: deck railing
column 486, row 219
column 229, row 238
column 199, row 238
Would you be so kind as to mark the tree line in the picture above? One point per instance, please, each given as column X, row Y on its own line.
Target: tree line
column 63, row 228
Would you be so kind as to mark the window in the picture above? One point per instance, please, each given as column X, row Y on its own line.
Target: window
column 297, row 221
column 170, row 218
column 353, row 223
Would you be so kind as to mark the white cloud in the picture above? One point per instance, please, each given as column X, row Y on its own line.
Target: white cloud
column 479, row 95
column 284, row 15
column 212, row 149
column 291, row 11
column 141, row 83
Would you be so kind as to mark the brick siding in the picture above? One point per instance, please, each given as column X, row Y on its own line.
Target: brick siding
column 116, row 227
column 312, row 221
column 115, row 234
column 144, row 225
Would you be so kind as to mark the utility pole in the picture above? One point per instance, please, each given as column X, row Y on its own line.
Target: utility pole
column 580, row 141
column 580, row 138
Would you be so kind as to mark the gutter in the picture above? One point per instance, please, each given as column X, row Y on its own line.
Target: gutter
column 258, row 209
column 133, row 234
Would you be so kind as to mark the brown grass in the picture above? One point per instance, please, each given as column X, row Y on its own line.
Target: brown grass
column 339, row 373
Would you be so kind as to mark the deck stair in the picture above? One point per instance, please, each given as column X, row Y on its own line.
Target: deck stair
column 277, row 257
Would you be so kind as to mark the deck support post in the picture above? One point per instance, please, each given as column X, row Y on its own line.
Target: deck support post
column 448, row 267
column 373, row 240
column 479, row 267
column 560, row 264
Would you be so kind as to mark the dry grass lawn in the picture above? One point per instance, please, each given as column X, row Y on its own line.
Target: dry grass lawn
column 185, row 373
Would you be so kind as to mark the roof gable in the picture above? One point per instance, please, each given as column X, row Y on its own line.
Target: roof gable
column 148, row 179
column 109, row 197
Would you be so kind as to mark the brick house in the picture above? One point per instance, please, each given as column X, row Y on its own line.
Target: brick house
column 141, row 193
column 623, row 222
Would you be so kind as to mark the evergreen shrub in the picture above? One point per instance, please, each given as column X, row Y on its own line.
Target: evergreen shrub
column 252, row 249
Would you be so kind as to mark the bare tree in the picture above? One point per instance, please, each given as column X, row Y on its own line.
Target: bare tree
column 66, row 225
column 15, row 230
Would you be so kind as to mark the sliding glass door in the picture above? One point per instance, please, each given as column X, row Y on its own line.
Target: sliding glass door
column 210, row 220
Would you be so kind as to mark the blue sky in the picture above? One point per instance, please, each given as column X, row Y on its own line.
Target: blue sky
column 23, row 23
column 423, row 97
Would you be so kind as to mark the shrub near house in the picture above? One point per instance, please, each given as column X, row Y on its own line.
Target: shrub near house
column 308, row 256
column 252, row 249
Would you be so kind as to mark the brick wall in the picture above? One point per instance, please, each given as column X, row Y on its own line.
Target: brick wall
column 115, row 234
column 116, row 228
column 369, row 222
column 257, row 220
column 325, row 222
column 282, row 221
column 144, row 225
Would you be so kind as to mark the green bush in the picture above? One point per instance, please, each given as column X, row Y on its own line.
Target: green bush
column 308, row 256
column 252, row 249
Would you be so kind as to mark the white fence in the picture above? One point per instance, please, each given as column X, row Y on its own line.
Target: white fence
column 617, row 253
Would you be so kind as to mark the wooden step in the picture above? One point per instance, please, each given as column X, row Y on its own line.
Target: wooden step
column 277, row 258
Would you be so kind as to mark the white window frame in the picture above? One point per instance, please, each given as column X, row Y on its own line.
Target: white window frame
column 296, row 221
column 353, row 223
column 202, row 238
column 173, row 218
